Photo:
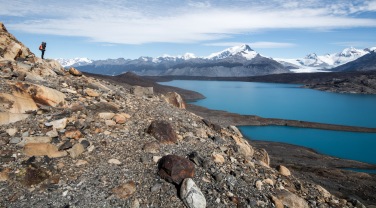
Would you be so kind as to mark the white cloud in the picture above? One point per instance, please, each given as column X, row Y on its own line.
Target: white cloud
column 137, row 22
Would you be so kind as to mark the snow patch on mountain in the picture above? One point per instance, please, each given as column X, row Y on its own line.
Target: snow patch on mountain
column 74, row 62
column 242, row 50
column 313, row 63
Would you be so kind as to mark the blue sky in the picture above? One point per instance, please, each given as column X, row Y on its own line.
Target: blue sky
column 101, row 29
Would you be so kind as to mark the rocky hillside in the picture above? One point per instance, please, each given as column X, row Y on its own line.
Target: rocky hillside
column 68, row 140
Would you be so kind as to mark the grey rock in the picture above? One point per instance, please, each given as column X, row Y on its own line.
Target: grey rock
column 191, row 194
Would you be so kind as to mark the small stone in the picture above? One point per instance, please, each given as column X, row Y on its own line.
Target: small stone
column 41, row 149
column 81, row 162
column 15, row 140
column 53, row 133
column 73, row 134
column 218, row 158
column 156, row 159
column 151, row 147
column 135, row 204
column 58, row 124
column 66, row 145
column 119, row 119
column 126, row 190
column 258, row 185
column 114, row 161
column 269, row 181
column 85, row 143
column 191, row 195
column 11, row 132
column 106, row 116
column 110, row 123
column 156, row 188
column 4, row 175
column 91, row 93
column 76, row 150
column 283, row 170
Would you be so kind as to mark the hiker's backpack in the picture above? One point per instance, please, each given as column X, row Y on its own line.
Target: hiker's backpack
column 42, row 46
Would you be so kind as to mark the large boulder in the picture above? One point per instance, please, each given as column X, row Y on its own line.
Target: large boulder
column 174, row 99
column 191, row 194
column 175, row 169
column 291, row 200
column 43, row 95
column 19, row 102
column 7, row 118
column 163, row 132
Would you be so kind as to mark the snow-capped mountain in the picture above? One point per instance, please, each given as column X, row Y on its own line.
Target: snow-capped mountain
column 233, row 62
column 242, row 51
column 74, row 62
column 239, row 60
column 313, row 62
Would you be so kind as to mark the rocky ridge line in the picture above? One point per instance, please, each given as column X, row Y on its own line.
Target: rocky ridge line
column 68, row 140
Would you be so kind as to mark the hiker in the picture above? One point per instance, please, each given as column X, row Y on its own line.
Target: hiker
column 42, row 48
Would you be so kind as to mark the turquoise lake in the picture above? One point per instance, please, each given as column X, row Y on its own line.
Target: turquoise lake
column 289, row 101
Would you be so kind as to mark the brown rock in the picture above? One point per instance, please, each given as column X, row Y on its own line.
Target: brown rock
column 175, row 99
column 17, row 103
column 34, row 176
column 7, row 118
column 291, row 200
column 218, row 158
column 92, row 93
column 277, row 203
column 120, row 119
column 4, row 175
column 126, row 190
column 76, row 150
column 43, row 95
column 73, row 71
column 106, row 115
column 73, row 134
column 163, row 132
column 110, row 123
column 41, row 149
column 264, row 157
column 283, row 170
column 243, row 147
column 175, row 169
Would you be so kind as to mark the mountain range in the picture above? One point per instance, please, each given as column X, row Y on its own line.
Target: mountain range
column 237, row 61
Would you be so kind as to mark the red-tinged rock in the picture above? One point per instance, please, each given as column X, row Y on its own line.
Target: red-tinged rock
column 73, row 134
column 41, row 149
column 163, row 132
column 175, row 169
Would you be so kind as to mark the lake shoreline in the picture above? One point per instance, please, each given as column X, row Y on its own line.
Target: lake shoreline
column 252, row 120
column 305, row 163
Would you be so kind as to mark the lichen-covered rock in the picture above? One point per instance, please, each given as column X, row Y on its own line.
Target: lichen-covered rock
column 142, row 91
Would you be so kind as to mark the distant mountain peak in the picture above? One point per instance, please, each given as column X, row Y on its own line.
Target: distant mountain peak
column 243, row 50
column 348, row 52
column 311, row 56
